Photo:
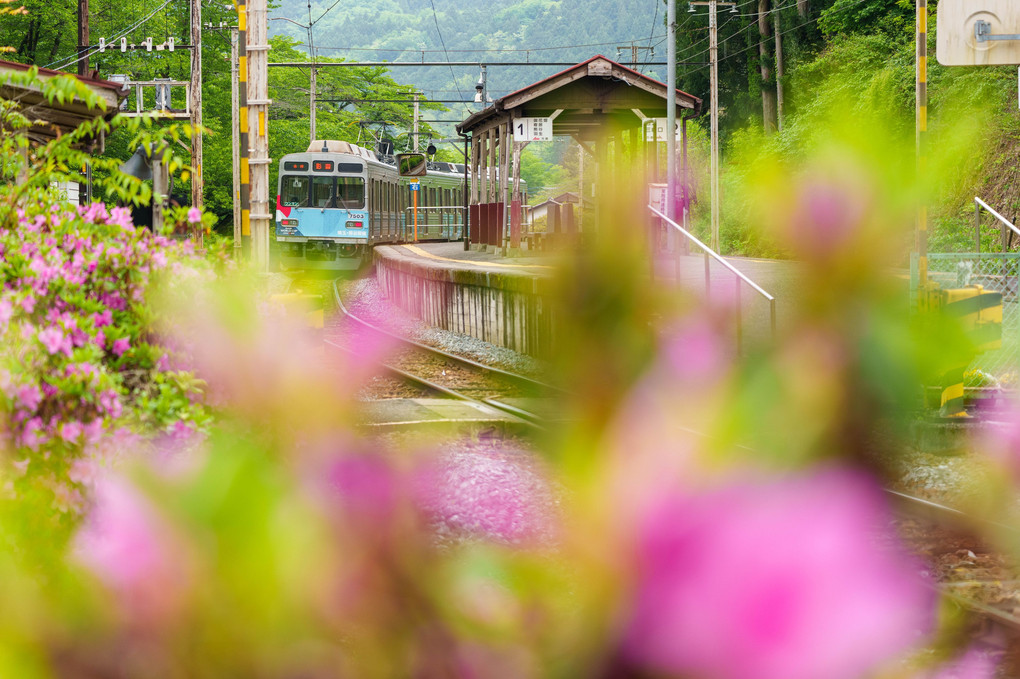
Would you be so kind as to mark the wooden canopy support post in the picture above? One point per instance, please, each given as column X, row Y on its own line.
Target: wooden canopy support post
column 501, row 235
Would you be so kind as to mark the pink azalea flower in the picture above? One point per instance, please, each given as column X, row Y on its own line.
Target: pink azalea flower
column 32, row 435
column 70, row 431
column 6, row 311
column 194, row 215
column 93, row 430
column 100, row 340
column 28, row 397
column 109, row 401
column 28, row 304
column 51, row 338
column 120, row 346
column 742, row 583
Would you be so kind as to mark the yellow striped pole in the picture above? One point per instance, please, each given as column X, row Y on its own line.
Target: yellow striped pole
column 242, row 117
column 921, row 132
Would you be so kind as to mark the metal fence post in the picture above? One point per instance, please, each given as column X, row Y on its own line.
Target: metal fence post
column 977, row 227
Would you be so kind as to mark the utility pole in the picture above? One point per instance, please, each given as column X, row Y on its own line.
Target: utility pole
column 235, row 137
column 197, row 183
column 713, row 58
column 258, row 113
column 779, row 71
column 634, row 49
column 921, row 132
column 83, row 37
column 313, row 78
column 312, row 104
column 244, row 195
column 416, row 114
column 671, row 110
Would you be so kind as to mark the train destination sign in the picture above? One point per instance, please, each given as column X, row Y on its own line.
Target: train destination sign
column 533, row 129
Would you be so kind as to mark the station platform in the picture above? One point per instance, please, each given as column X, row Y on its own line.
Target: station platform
column 502, row 300
column 454, row 255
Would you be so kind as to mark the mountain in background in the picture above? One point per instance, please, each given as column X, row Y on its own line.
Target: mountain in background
column 566, row 31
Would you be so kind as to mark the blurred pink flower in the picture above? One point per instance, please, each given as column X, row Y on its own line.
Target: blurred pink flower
column 776, row 580
column 6, row 311
column 698, row 351
column 127, row 545
column 51, row 339
column 194, row 215
column 825, row 218
column 367, row 485
column 120, row 346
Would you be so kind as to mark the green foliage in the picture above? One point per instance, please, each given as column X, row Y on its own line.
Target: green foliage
column 36, row 167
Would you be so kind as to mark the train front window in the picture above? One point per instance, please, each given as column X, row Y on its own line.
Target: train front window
column 322, row 192
column 294, row 191
column 350, row 193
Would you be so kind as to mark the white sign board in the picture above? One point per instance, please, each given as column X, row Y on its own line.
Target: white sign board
column 533, row 129
column 957, row 41
column 658, row 130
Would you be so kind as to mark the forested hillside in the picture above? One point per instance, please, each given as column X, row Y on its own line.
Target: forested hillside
column 475, row 30
column 846, row 58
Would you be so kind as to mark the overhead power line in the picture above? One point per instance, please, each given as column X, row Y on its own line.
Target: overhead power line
column 76, row 59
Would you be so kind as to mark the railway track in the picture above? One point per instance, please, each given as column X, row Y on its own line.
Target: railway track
column 509, row 395
column 968, row 572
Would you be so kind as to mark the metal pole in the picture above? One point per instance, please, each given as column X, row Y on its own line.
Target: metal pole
column 197, row 183
column 671, row 110
column 921, row 132
column 713, row 57
column 417, row 112
column 312, row 104
column 977, row 227
column 466, row 235
column 244, row 195
column 235, row 161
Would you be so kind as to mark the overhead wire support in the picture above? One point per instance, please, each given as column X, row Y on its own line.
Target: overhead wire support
column 389, row 64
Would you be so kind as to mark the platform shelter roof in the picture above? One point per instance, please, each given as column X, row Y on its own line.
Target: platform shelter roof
column 58, row 117
column 588, row 96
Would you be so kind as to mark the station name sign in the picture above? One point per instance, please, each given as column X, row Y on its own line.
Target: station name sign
column 533, row 129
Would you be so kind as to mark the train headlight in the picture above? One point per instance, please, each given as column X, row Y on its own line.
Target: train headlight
column 355, row 225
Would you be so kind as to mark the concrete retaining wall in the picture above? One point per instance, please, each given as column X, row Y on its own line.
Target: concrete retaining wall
column 510, row 309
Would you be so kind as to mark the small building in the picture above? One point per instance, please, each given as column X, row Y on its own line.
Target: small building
column 56, row 118
column 602, row 104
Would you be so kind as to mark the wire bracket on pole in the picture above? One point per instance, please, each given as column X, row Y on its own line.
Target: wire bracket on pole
column 983, row 33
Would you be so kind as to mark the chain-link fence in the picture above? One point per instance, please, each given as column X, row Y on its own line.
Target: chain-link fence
column 996, row 272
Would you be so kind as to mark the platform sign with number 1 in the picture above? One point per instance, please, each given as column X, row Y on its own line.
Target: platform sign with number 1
column 533, row 129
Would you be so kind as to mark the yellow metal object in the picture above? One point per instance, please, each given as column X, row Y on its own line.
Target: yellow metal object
column 979, row 314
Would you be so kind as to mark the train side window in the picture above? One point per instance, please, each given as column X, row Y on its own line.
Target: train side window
column 350, row 193
column 322, row 192
column 294, row 191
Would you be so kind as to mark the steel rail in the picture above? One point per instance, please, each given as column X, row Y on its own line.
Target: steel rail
column 519, row 415
column 949, row 518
